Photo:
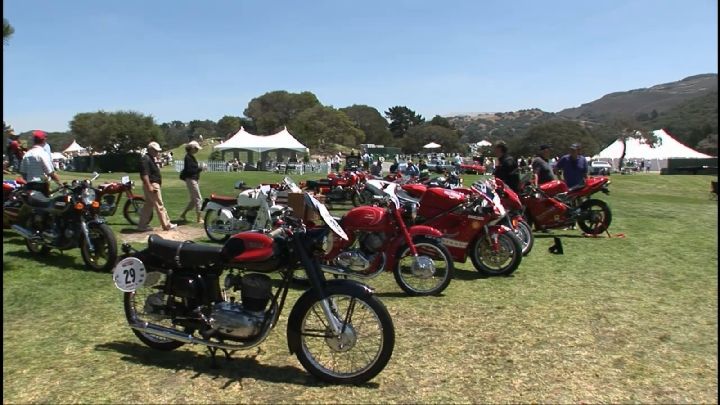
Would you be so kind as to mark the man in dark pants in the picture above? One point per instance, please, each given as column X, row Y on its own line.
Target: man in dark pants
column 507, row 167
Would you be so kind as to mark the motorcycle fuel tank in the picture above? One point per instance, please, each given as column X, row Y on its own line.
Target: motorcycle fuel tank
column 438, row 200
column 253, row 251
column 554, row 187
column 415, row 190
column 365, row 218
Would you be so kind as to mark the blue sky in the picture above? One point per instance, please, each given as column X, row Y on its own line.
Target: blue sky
column 185, row 60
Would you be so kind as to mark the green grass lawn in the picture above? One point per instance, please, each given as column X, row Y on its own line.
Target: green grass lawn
column 629, row 319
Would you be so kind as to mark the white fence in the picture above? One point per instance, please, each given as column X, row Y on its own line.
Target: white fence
column 294, row 168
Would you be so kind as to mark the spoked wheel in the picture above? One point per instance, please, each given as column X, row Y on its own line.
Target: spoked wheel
column 427, row 274
column 595, row 217
column 211, row 219
column 132, row 208
column 104, row 256
column 150, row 304
column 524, row 233
column 361, row 350
column 502, row 260
column 35, row 247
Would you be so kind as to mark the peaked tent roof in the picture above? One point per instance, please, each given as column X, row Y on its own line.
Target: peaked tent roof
column 667, row 147
column 243, row 140
column 483, row 143
column 432, row 145
column 285, row 140
column 74, row 147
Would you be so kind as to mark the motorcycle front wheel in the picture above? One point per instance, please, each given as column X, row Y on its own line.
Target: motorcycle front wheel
column 132, row 208
column 524, row 233
column 210, row 218
column 427, row 274
column 35, row 247
column 595, row 217
column 359, row 353
column 501, row 262
column 104, row 256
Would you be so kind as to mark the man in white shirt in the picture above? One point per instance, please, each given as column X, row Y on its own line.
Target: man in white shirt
column 36, row 166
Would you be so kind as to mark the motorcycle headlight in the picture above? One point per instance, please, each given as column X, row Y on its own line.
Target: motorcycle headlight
column 88, row 195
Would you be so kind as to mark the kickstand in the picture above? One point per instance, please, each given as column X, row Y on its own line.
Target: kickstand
column 213, row 358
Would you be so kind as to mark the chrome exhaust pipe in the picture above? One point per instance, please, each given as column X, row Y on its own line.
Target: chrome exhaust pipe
column 25, row 233
column 344, row 272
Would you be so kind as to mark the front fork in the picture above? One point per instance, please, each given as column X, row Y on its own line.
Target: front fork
column 86, row 234
column 406, row 234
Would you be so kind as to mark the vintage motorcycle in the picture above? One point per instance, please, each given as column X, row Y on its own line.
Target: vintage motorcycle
column 379, row 240
column 472, row 222
column 553, row 206
column 110, row 195
column 179, row 292
column 68, row 219
column 253, row 208
column 339, row 188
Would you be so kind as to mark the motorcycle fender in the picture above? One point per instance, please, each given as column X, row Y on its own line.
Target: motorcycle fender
column 398, row 242
column 335, row 286
column 96, row 221
column 211, row 206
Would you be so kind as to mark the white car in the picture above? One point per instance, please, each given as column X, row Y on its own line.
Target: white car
column 599, row 167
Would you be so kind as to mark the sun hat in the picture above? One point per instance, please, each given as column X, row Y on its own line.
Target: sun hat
column 193, row 144
column 155, row 146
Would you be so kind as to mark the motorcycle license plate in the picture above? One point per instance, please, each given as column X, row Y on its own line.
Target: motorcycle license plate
column 129, row 274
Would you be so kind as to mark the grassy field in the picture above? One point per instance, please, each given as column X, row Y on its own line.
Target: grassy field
column 629, row 319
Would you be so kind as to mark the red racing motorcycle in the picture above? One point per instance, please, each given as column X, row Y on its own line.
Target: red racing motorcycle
column 110, row 195
column 339, row 188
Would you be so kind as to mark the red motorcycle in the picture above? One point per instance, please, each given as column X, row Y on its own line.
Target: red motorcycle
column 379, row 240
column 511, row 201
column 469, row 218
column 553, row 205
column 9, row 186
column 110, row 194
column 339, row 188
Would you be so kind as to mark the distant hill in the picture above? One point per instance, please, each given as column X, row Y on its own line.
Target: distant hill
column 641, row 103
column 501, row 125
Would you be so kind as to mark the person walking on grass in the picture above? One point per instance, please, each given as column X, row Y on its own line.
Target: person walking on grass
column 152, row 180
column 191, row 175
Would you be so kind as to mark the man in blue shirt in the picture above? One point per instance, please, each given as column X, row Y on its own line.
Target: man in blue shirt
column 573, row 166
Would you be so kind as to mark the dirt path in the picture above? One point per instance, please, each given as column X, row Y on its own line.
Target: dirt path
column 179, row 233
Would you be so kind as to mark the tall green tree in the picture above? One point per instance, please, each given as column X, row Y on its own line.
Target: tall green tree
column 206, row 128
column 320, row 127
column 8, row 31
column 175, row 132
column 371, row 122
column 120, row 131
column 402, row 119
column 558, row 133
column 273, row 110
column 441, row 122
column 228, row 125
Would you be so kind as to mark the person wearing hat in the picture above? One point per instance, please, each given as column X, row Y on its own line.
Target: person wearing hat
column 36, row 166
column 191, row 174
column 573, row 166
column 542, row 170
column 507, row 168
column 14, row 150
column 152, row 180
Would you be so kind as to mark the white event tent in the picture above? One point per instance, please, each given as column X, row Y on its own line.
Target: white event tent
column 483, row 143
column 74, row 148
column 666, row 147
column 432, row 145
column 246, row 141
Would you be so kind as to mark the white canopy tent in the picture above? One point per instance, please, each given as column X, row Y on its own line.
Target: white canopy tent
column 484, row 143
column 58, row 156
column 285, row 140
column 243, row 140
column 432, row 145
column 667, row 147
column 74, row 148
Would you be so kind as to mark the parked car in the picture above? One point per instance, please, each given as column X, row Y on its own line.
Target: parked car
column 599, row 167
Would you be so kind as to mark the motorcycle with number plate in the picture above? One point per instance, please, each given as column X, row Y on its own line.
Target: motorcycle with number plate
column 253, row 208
column 471, row 220
column 68, row 219
column 222, row 297
column 110, row 195
column 552, row 205
column 379, row 240
column 339, row 188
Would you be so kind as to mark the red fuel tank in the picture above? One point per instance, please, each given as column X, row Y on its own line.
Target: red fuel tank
column 554, row 187
column 415, row 190
column 253, row 251
column 438, row 200
column 365, row 218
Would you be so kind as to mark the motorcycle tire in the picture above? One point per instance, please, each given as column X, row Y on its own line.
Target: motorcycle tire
column 103, row 239
column 484, row 259
column 525, row 234
column 404, row 276
column 132, row 208
column 210, row 216
column 589, row 221
column 38, row 248
column 307, row 308
column 153, row 341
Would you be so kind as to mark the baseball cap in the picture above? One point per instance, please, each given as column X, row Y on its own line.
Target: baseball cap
column 575, row 146
column 154, row 145
column 544, row 146
column 194, row 144
column 39, row 135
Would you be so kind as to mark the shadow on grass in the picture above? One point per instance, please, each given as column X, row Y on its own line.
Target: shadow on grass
column 234, row 370
column 550, row 235
column 54, row 258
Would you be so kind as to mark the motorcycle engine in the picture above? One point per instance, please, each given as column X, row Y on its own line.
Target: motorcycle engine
column 244, row 219
column 359, row 260
column 243, row 320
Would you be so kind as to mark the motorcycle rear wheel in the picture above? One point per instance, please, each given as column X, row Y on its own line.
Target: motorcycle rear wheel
column 524, row 233
column 595, row 218
column 341, row 359
column 132, row 208
column 444, row 270
column 210, row 217
column 35, row 247
column 105, row 255
column 501, row 263
column 134, row 304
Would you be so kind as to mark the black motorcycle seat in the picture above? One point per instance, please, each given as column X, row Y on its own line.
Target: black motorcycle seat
column 38, row 200
column 404, row 196
column 317, row 183
column 576, row 188
column 189, row 255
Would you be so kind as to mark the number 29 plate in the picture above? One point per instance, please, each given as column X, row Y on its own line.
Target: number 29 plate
column 129, row 274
